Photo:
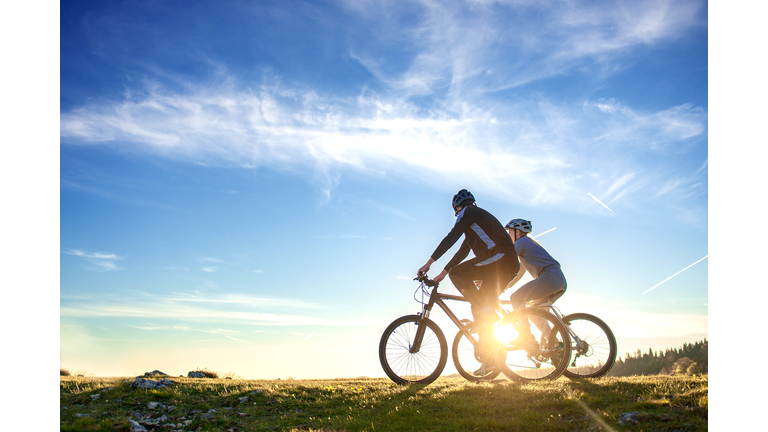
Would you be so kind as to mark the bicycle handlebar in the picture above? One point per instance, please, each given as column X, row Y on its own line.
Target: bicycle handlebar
column 426, row 281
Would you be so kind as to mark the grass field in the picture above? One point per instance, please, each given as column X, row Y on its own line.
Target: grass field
column 662, row 403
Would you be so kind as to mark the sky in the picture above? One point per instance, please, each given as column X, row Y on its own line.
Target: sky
column 250, row 187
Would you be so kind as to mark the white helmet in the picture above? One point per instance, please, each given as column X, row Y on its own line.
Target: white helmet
column 521, row 224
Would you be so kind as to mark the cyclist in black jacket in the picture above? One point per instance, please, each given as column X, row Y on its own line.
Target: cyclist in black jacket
column 495, row 263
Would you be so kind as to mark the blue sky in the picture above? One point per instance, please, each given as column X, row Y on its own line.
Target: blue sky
column 251, row 186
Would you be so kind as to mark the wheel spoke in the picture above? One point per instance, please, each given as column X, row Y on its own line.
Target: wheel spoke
column 598, row 357
column 547, row 362
column 402, row 365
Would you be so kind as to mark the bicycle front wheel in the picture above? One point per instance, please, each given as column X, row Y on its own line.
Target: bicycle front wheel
column 546, row 361
column 595, row 354
column 467, row 360
column 404, row 365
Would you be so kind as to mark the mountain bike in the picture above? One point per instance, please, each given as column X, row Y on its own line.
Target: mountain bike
column 413, row 348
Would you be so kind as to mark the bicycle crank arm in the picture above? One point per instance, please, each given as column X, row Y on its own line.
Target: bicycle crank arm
column 536, row 362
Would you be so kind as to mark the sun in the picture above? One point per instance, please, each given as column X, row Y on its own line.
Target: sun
column 506, row 333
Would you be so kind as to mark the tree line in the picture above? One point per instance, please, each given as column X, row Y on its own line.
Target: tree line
column 691, row 359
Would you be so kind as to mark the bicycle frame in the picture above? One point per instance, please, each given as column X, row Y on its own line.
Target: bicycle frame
column 437, row 298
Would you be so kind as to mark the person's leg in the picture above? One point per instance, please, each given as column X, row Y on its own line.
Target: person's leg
column 546, row 284
column 463, row 277
column 495, row 274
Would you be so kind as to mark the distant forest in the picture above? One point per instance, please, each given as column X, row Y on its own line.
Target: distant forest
column 691, row 359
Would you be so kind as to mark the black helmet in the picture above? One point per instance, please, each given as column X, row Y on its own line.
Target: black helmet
column 462, row 198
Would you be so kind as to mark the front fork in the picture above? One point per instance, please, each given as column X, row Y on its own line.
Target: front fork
column 419, row 337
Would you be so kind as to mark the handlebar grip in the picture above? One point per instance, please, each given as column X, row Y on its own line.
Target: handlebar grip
column 426, row 281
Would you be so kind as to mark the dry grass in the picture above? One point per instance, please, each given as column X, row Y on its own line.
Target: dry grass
column 375, row 404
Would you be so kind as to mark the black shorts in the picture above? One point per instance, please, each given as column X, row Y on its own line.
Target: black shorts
column 495, row 272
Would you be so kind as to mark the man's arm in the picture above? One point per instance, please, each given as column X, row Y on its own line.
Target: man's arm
column 459, row 256
column 456, row 232
column 425, row 268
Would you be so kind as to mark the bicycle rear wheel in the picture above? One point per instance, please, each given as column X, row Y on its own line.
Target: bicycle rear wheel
column 466, row 359
column 549, row 359
column 596, row 354
column 403, row 366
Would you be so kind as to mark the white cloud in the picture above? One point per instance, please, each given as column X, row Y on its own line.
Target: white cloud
column 102, row 261
column 233, row 299
column 628, row 323
column 208, row 259
column 458, row 55
column 152, row 327
column 238, row 340
column 199, row 314
column 205, row 308
column 629, row 320
column 440, row 148
column 506, row 44
column 96, row 255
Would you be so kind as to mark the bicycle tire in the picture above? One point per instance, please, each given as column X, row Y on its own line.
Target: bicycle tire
column 598, row 357
column 400, row 364
column 520, row 365
column 466, row 359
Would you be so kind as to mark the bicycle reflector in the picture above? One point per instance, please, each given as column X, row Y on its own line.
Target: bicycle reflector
column 506, row 333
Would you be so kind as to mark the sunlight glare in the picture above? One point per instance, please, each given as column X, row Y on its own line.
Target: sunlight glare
column 506, row 333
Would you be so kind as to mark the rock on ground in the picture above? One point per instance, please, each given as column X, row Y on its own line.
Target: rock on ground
column 150, row 384
column 629, row 418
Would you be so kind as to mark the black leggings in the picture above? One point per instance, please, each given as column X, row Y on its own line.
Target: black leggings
column 495, row 274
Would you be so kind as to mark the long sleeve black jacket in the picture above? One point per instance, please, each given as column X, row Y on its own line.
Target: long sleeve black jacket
column 483, row 234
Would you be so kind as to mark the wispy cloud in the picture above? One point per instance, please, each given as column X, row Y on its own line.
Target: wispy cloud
column 600, row 202
column 209, row 309
column 238, row 340
column 102, row 261
column 456, row 43
column 209, row 259
column 545, row 232
column 459, row 56
column 628, row 323
column 309, row 336
column 96, row 255
column 665, row 280
column 368, row 134
column 152, row 327
column 91, row 188
column 234, row 299
column 618, row 184
column 638, row 321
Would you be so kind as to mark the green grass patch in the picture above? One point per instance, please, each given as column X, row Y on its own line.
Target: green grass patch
column 449, row 404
